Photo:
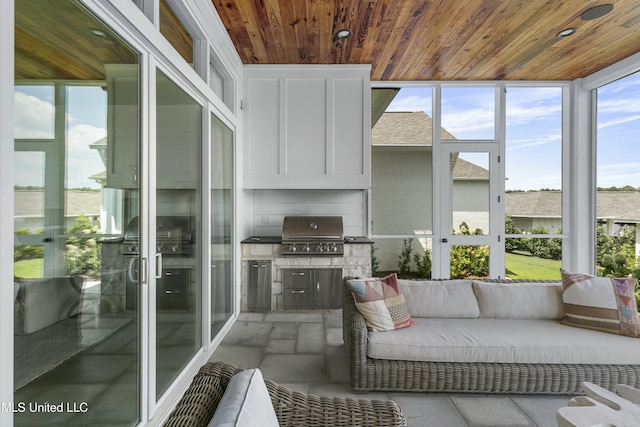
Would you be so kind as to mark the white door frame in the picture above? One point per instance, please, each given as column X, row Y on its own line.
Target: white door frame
column 445, row 238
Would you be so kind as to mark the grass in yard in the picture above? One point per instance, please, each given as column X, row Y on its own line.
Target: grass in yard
column 28, row 269
column 530, row 267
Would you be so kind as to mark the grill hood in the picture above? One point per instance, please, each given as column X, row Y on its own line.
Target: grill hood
column 312, row 235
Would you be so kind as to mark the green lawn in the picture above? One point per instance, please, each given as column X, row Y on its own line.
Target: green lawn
column 530, row 267
column 28, row 269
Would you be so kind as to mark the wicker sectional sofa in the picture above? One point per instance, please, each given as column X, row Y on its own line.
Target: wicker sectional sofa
column 492, row 336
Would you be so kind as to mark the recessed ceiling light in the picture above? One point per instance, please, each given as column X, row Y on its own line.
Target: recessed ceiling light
column 566, row 32
column 343, row 34
column 98, row 33
column 596, row 12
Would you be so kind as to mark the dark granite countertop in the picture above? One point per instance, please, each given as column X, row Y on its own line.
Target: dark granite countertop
column 271, row 240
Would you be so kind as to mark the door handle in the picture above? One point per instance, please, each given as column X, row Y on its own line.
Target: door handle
column 158, row 257
column 444, row 240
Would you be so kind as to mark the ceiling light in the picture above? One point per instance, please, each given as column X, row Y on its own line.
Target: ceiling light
column 98, row 33
column 566, row 32
column 596, row 12
column 343, row 34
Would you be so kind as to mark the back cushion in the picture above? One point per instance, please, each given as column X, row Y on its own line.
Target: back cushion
column 245, row 403
column 445, row 299
column 519, row 300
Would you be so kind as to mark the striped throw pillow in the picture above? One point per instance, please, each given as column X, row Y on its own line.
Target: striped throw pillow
column 381, row 303
column 601, row 303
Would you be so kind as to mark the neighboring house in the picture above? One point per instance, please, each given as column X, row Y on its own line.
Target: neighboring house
column 29, row 208
column 401, row 158
column 614, row 209
column 401, row 155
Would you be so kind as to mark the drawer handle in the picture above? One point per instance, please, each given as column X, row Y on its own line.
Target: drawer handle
column 297, row 292
column 297, row 274
column 170, row 292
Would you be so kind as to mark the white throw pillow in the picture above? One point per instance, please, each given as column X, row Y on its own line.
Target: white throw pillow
column 246, row 403
column 444, row 299
column 519, row 300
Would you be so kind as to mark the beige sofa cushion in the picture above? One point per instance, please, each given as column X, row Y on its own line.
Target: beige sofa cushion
column 519, row 300
column 502, row 341
column 445, row 299
column 245, row 403
column 42, row 302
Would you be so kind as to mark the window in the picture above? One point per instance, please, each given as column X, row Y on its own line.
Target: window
column 533, row 184
column 401, row 158
column 452, row 197
column 618, row 178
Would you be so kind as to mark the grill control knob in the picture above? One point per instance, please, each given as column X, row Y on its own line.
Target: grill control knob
column 307, row 248
column 320, row 248
column 293, row 248
column 334, row 248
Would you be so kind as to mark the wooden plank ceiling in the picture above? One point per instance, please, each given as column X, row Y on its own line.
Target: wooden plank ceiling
column 437, row 39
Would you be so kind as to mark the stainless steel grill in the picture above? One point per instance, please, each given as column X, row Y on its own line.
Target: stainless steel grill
column 173, row 236
column 312, row 236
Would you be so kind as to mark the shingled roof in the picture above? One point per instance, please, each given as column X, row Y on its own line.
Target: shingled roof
column 623, row 206
column 30, row 203
column 405, row 129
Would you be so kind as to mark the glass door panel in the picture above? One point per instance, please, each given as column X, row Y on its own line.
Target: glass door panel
column 178, row 229
column 221, row 224
column 28, row 216
column 469, row 211
column 469, row 184
column 77, row 337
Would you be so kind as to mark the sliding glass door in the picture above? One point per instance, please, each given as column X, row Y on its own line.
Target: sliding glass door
column 77, row 187
column 178, row 230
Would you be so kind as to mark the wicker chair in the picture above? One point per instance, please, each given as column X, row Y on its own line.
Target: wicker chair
column 293, row 408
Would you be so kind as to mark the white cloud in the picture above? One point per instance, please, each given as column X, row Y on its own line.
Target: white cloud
column 33, row 117
column 83, row 161
column 617, row 121
column 532, row 142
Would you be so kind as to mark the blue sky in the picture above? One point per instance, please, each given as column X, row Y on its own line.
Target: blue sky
column 533, row 151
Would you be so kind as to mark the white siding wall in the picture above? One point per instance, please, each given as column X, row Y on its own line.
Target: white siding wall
column 271, row 206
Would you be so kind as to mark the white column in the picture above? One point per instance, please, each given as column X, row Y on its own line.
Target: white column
column 6, row 213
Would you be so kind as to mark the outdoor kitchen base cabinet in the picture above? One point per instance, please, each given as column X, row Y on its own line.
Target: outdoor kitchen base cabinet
column 259, row 285
column 312, row 288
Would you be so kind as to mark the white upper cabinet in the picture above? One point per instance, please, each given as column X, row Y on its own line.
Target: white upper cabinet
column 123, row 125
column 307, row 127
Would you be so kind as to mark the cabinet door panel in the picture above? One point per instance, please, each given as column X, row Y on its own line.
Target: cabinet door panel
column 326, row 283
column 264, row 127
column 306, row 127
column 298, row 279
column 348, row 127
column 297, row 298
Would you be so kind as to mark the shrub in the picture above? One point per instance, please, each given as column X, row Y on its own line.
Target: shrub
column 82, row 254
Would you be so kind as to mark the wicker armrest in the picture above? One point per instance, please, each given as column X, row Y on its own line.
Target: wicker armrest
column 293, row 408
column 200, row 400
column 354, row 328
